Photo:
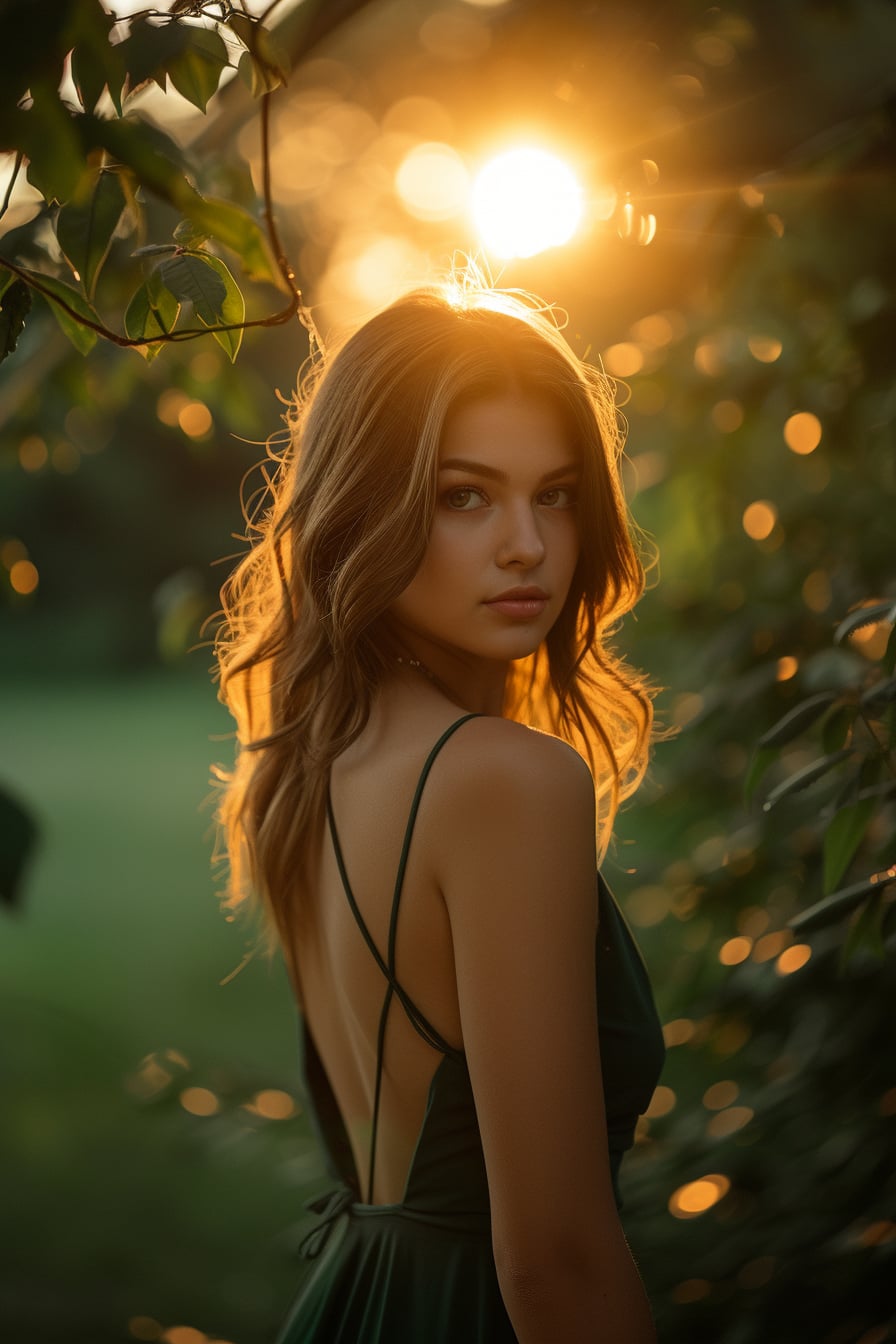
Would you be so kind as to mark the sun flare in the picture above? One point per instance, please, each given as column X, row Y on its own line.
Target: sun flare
column 525, row 201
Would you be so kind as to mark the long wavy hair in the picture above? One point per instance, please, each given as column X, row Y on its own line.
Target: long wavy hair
column 340, row 532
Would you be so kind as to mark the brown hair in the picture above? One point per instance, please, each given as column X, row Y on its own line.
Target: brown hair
column 346, row 516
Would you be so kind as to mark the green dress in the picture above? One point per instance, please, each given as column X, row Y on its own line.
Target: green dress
column 422, row 1271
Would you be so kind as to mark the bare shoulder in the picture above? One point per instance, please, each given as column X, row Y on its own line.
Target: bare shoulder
column 496, row 770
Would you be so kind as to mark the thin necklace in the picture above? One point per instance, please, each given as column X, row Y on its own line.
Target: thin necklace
column 418, row 667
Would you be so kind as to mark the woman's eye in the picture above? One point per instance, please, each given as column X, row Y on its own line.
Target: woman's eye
column 559, row 497
column 464, row 497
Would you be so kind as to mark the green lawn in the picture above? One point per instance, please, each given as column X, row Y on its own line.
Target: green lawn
column 118, row 1202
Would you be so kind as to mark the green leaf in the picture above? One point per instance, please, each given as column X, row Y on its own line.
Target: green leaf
column 85, row 229
column 6, row 279
column 206, row 282
column 803, row 778
column 877, row 611
column 843, row 837
column 840, row 903
column 796, row 719
column 879, row 696
column 762, row 759
column 235, row 228
column 156, row 159
column 14, row 308
column 96, row 63
column 889, row 659
column 835, row 729
column 233, row 311
column 264, row 64
column 193, row 279
column 187, row 235
column 864, row 931
column 196, row 71
column 148, row 49
column 153, row 311
column 82, row 338
column 46, row 134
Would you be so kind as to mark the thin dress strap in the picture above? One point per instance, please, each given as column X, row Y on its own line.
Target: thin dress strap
column 415, row 1017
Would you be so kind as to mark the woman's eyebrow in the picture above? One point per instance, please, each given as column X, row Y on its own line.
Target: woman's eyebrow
column 492, row 473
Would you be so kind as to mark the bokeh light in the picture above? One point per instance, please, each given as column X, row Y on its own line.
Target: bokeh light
column 694, row 1198
column 23, row 577
column 33, row 453
column 524, row 201
column 802, row 433
column 432, row 181
column 766, row 349
column 195, row 419
column 199, row 1101
column 793, row 958
column 759, row 519
column 623, row 360
column 735, row 950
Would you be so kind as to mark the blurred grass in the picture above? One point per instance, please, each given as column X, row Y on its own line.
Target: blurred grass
column 121, row 1204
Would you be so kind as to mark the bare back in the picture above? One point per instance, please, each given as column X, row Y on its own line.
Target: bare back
column 343, row 987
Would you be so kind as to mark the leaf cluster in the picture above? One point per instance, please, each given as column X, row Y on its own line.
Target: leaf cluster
column 93, row 159
column 855, row 728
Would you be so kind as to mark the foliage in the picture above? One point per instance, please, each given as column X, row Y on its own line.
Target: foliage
column 856, row 724
column 91, row 154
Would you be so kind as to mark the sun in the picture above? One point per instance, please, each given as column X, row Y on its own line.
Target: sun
column 524, row 201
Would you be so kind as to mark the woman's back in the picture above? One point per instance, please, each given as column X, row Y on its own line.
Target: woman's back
column 372, row 788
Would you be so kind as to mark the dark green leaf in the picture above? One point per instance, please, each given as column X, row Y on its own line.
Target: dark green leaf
column 264, row 64
column 762, row 759
column 879, row 696
column 796, row 719
column 46, row 134
column 156, row 159
column 836, row 726
column 193, row 279
column 187, row 235
column 889, row 659
column 148, row 49
column 96, row 63
column 877, row 611
column 843, row 837
column 236, row 229
column 864, row 932
column 803, row 778
column 153, row 311
column 82, row 338
column 6, row 279
column 233, row 311
column 14, row 308
column 840, row 903
column 85, row 228
column 196, row 71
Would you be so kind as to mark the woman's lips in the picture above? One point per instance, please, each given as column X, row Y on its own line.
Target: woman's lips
column 519, row 608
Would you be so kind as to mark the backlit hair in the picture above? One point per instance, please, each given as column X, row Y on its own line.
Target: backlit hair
column 342, row 531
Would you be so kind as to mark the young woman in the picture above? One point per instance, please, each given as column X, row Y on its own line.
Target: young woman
column 434, row 738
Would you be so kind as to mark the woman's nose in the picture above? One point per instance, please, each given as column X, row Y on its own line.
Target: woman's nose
column 521, row 543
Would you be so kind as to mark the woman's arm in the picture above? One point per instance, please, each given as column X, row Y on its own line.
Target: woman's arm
column 517, row 868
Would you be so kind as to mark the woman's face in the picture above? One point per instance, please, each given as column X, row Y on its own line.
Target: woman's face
column 504, row 540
